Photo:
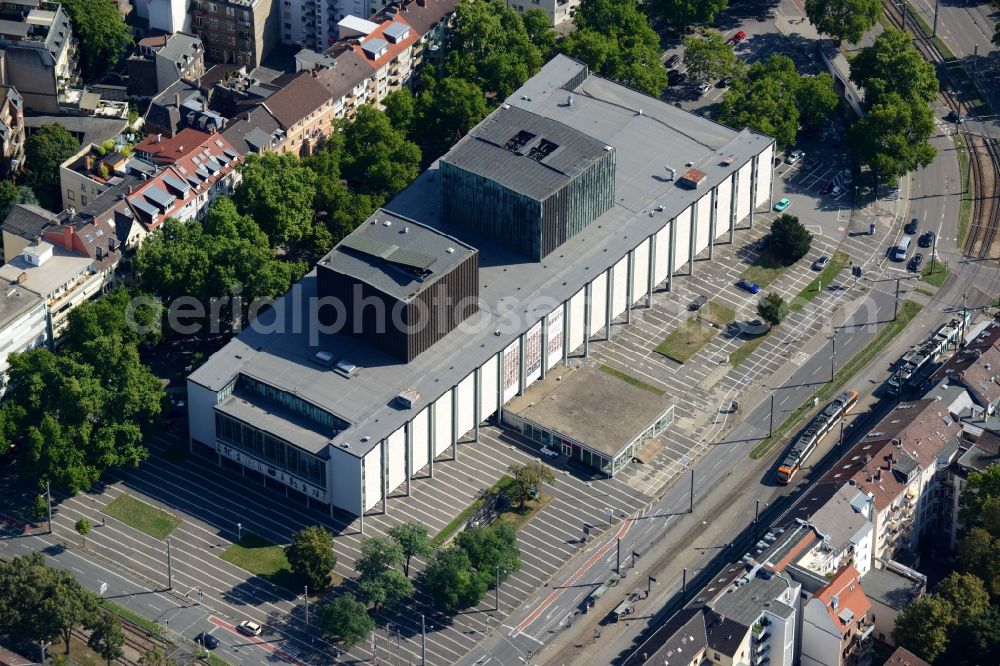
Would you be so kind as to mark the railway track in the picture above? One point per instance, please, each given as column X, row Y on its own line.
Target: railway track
column 984, row 153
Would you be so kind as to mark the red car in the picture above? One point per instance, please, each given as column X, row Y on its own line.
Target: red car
column 737, row 38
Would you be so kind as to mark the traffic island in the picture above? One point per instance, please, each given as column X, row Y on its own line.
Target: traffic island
column 142, row 516
column 684, row 342
column 265, row 559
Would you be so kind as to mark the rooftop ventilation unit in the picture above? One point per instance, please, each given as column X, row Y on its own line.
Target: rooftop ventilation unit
column 323, row 358
column 346, row 368
column 407, row 398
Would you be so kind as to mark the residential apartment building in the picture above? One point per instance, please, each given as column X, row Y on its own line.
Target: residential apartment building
column 751, row 620
column 559, row 11
column 890, row 589
column 197, row 168
column 836, row 623
column 236, row 31
column 901, row 461
column 160, row 60
column 37, row 53
column 64, row 259
column 93, row 170
column 23, row 324
column 11, row 131
column 186, row 104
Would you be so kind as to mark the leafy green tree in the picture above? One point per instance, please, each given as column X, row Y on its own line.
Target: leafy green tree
column 924, row 626
column 489, row 46
column 44, row 151
column 387, row 589
column 772, row 308
column 346, row 619
column 11, row 194
column 892, row 139
column 491, row 548
column 40, row 508
column 82, row 528
column 817, row 100
column 229, row 254
column 102, row 32
column 413, row 540
column 450, row 582
column 540, row 32
column 979, row 555
column 38, row 603
column 447, row 113
column 966, row 594
column 528, row 479
column 975, row 641
column 379, row 582
column 377, row 159
column 377, row 555
column 893, row 65
column 682, row 13
column 991, row 516
column 311, row 556
column 71, row 425
column 614, row 38
column 107, row 637
column 400, row 108
column 155, row 656
column 708, row 56
column 790, row 240
column 766, row 100
column 278, row 193
column 981, row 488
column 844, row 19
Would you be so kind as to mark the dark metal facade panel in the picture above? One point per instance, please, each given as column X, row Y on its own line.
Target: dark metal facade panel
column 403, row 329
column 437, row 311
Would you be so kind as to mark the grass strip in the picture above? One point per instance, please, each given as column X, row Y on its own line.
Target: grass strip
column 213, row 660
column 132, row 617
column 684, row 342
column 907, row 311
column 965, row 208
column 518, row 519
column 262, row 558
column 459, row 521
column 718, row 314
column 925, row 292
column 143, row 517
column 743, row 351
column 625, row 377
column 826, row 277
column 937, row 278
column 765, row 269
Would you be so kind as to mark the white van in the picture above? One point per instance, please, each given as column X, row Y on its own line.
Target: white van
column 902, row 249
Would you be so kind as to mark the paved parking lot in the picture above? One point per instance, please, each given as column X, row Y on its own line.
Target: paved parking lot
column 212, row 500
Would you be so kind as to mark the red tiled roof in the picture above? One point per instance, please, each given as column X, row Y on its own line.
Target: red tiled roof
column 189, row 170
column 846, row 587
column 394, row 49
column 167, row 150
column 903, row 657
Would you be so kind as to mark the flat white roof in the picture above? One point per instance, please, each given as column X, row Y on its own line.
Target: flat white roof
column 361, row 25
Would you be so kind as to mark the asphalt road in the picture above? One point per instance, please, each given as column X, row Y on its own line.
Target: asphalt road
column 182, row 618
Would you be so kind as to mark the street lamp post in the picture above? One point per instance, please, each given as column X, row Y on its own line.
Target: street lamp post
column 756, row 515
column 305, row 597
column 423, row 641
column 497, row 590
column 833, row 355
column 239, row 532
column 770, row 420
column 48, row 499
